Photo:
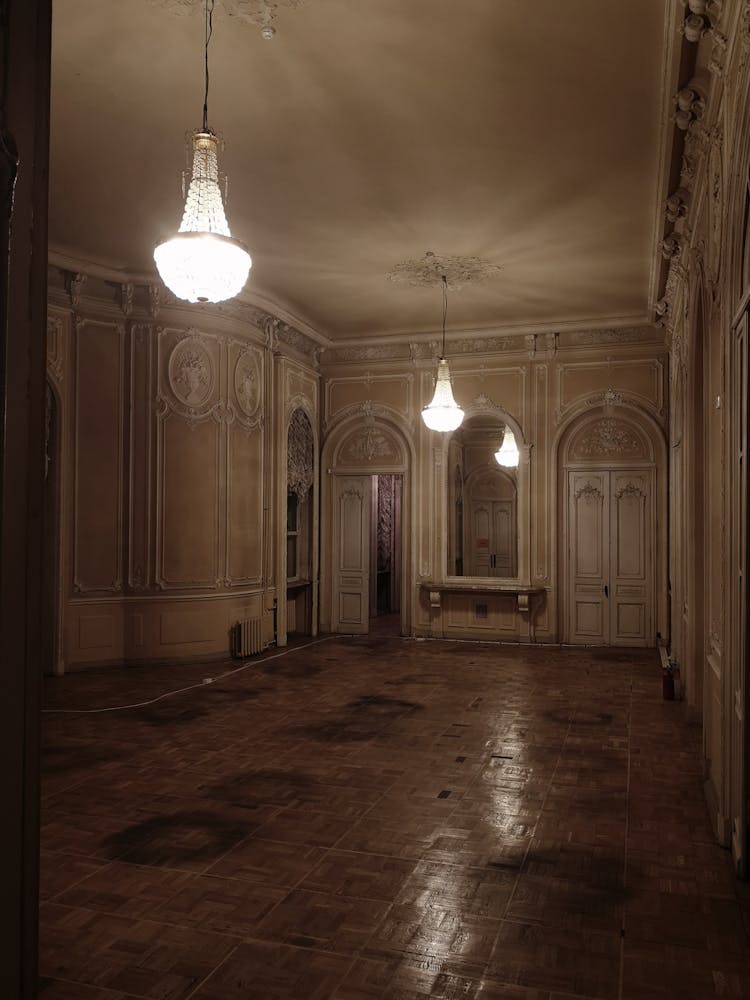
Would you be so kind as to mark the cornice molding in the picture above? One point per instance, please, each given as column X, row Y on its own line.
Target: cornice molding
column 159, row 296
column 139, row 298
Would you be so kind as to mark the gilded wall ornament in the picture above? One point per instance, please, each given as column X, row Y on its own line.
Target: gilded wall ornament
column 424, row 272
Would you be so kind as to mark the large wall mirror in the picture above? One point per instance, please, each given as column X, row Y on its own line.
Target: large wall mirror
column 483, row 509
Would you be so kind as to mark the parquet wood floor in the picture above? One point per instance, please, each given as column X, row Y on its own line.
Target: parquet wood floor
column 378, row 817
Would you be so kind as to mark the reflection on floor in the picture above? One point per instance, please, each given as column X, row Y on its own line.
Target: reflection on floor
column 387, row 624
column 380, row 817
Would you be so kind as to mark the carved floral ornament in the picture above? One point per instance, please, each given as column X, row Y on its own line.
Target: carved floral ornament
column 260, row 13
column 589, row 492
column 608, row 437
column 369, row 444
column 428, row 271
column 632, row 490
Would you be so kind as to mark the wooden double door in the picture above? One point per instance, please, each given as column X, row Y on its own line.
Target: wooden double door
column 611, row 543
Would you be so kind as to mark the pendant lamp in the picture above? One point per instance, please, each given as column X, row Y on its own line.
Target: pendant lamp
column 203, row 262
column 443, row 413
column 507, row 454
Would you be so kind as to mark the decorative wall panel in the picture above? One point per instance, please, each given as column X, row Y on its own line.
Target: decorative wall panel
column 98, row 486
column 189, row 478
column 643, row 380
column 394, row 391
column 140, row 427
column 244, row 554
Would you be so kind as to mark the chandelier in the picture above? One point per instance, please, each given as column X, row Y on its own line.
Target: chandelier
column 203, row 262
column 507, row 454
column 443, row 413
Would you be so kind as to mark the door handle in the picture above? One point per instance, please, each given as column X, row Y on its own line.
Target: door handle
column 606, row 590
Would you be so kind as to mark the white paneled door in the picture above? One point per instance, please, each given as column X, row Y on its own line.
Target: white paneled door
column 611, row 537
column 351, row 587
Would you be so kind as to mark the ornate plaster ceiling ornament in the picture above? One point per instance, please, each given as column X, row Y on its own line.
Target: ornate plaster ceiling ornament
column 427, row 271
column 258, row 12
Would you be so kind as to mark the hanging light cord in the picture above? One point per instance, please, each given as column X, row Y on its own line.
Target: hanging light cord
column 209, row 32
column 445, row 309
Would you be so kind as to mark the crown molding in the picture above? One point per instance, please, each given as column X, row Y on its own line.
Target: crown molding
column 66, row 261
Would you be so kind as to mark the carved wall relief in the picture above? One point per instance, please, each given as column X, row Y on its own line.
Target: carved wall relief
column 369, row 445
column 191, row 372
column 300, row 455
column 247, row 383
column 590, row 493
column 608, row 437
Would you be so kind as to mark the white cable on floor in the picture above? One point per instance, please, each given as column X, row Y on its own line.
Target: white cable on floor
column 191, row 687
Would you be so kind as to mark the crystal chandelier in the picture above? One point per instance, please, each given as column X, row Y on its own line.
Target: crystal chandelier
column 507, row 454
column 443, row 413
column 203, row 262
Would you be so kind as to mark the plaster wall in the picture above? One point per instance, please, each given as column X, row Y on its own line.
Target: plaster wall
column 169, row 445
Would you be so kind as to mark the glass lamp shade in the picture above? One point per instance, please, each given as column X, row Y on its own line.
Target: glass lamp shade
column 202, row 262
column 443, row 413
column 507, row 455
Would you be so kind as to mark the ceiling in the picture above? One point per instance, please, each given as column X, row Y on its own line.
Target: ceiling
column 364, row 134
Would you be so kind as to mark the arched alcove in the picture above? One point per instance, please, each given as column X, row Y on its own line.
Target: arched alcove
column 503, row 500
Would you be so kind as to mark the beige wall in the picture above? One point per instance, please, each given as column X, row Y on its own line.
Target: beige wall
column 705, row 315
column 540, row 385
column 171, row 441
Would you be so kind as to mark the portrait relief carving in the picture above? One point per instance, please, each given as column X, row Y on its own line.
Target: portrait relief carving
column 191, row 374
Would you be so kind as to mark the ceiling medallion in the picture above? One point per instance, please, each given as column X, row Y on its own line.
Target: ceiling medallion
column 257, row 12
column 423, row 272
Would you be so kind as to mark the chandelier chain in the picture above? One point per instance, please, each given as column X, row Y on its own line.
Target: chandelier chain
column 445, row 309
column 209, row 13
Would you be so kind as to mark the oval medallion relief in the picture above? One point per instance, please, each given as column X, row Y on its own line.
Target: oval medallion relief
column 247, row 383
column 191, row 373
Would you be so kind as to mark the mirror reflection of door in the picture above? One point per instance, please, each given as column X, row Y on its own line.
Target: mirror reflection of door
column 482, row 503
column 491, row 495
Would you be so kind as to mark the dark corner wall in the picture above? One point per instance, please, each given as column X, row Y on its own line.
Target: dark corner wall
column 24, row 145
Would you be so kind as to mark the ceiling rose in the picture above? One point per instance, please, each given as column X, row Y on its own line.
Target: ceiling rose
column 258, row 12
column 422, row 272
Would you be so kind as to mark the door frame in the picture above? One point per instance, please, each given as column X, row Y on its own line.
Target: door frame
column 650, row 426
column 607, row 472
column 343, row 455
